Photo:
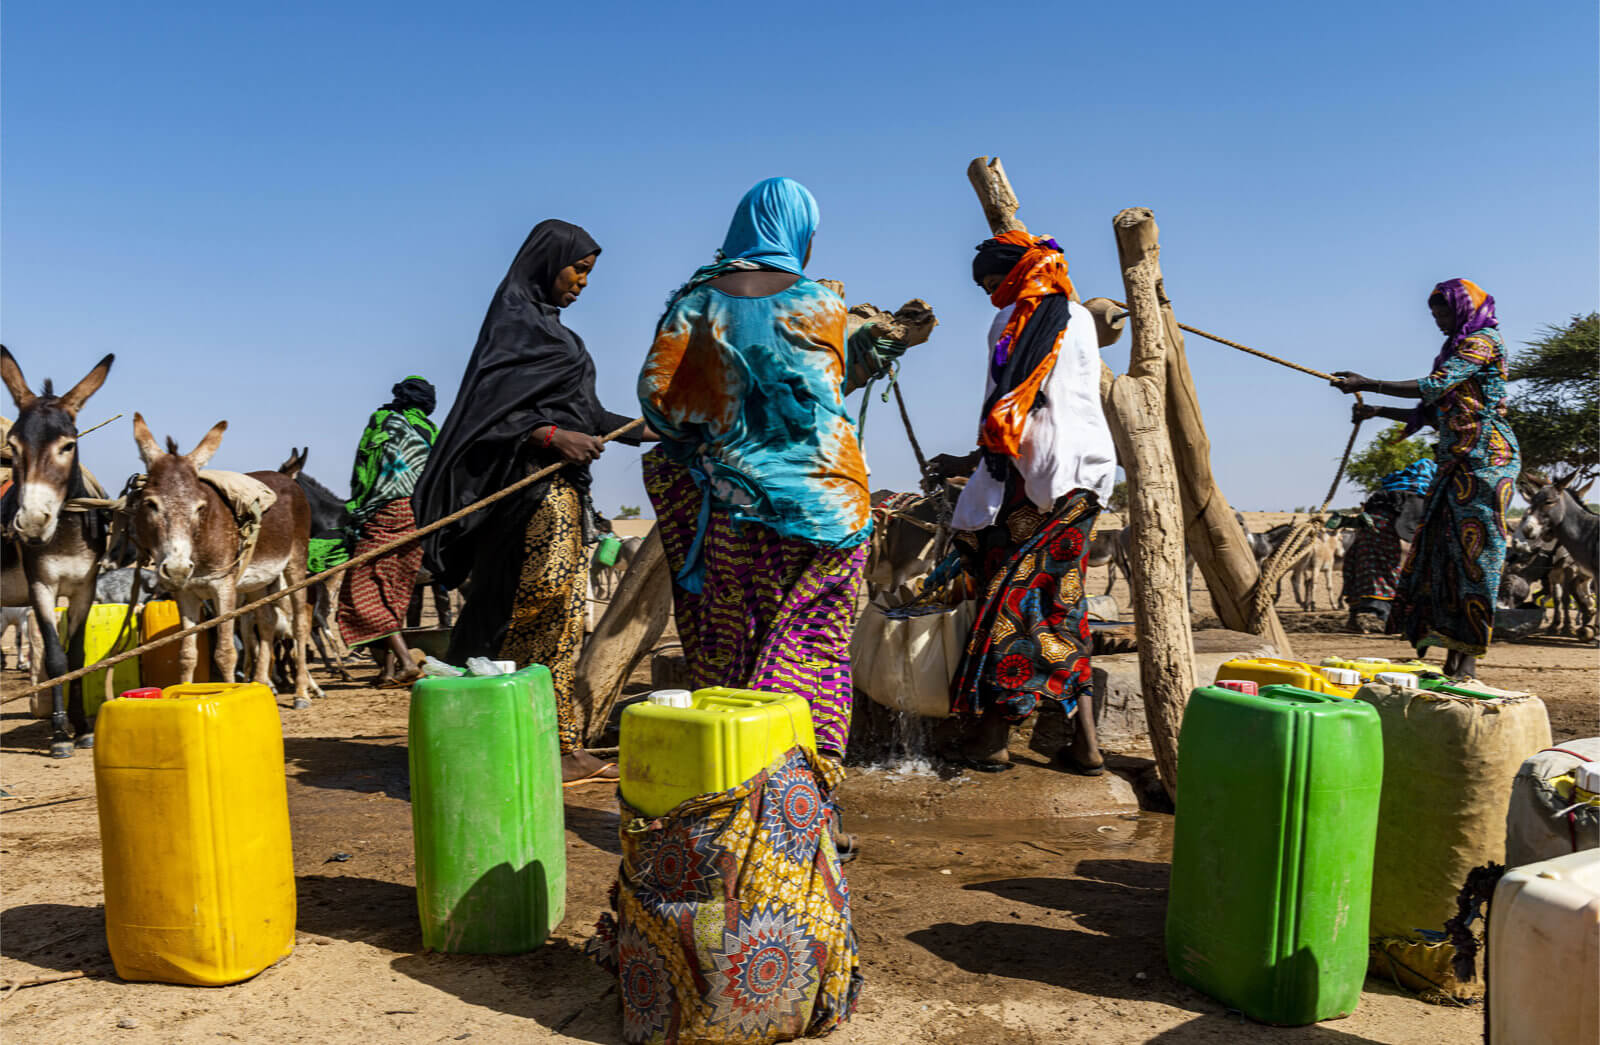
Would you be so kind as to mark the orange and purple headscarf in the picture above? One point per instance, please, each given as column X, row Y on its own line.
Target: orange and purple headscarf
column 1473, row 308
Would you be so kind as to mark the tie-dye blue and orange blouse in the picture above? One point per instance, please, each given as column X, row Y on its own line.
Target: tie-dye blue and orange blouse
column 747, row 392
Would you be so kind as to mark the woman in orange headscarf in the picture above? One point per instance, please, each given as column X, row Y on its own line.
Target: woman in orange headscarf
column 1044, row 466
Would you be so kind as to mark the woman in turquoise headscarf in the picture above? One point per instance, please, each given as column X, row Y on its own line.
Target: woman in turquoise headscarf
column 759, row 487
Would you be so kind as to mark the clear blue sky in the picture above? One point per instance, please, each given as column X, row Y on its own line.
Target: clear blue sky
column 272, row 212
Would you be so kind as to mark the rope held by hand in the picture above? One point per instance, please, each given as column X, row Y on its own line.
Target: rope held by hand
column 1294, row 545
column 364, row 557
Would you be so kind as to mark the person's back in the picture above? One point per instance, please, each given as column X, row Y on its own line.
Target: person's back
column 758, row 377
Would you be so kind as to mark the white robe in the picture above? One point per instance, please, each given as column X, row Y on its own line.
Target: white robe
column 1066, row 444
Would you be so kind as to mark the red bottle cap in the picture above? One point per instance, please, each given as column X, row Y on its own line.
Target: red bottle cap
column 147, row 693
column 1239, row 686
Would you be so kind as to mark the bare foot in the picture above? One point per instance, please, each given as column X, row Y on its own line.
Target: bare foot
column 578, row 766
column 1082, row 756
column 986, row 742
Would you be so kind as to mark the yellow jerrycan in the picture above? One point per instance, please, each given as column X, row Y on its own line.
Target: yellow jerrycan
column 676, row 745
column 194, row 833
column 1272, row 671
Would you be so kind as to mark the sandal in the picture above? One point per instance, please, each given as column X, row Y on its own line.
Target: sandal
column 401, row 682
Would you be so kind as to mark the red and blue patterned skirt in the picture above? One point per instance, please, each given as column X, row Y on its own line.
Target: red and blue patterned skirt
column 1030, row 640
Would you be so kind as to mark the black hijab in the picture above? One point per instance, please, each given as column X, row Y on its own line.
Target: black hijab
column 527, row 371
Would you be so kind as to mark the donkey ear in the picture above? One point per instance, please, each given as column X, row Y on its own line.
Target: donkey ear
column 1561, row 483
column 73, row 401
column 1582, row 492
column 296, row 461
column 149, row 450
column 11, row 374
column 208, row 446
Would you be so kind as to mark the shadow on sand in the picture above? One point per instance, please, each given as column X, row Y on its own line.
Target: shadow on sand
column 349, row 765
column 56, row 936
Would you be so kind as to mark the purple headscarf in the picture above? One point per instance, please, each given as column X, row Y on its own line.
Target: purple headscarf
column 1473, row 309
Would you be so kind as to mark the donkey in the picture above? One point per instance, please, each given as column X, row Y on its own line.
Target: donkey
column 195, row 544
column 1556, row 514
column 49, row 556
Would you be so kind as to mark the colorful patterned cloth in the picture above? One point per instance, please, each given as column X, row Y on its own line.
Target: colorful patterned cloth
column 377, row 593
column 1414, row 478
column 772, row 613
column 1031, row 637
column 732, row 916
column 547, row 611
column 1372, row 563
column 1037, row 284
column 1449, row 582
column 393, row 452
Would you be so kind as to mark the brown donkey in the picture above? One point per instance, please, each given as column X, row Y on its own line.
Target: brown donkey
column 193, row 540
column 45, row 556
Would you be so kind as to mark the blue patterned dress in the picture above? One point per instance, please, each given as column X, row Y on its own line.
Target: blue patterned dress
column 1451, row 577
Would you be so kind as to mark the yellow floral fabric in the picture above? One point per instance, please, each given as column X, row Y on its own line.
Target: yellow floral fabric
column 731, row 918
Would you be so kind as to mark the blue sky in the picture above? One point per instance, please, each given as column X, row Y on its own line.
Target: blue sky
column 271, row 213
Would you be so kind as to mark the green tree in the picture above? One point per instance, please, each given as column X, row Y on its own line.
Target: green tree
column 1119, row 497
column 1555, row 407
column 629, row 511
column 1387, row 453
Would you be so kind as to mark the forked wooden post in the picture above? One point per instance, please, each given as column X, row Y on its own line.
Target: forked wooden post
column 1166, row 644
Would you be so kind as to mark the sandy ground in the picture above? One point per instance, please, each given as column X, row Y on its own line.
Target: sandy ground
column 1026, row 907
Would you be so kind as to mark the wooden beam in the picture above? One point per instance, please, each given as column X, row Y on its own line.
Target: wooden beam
column 1166, row 646
column 999, row 202
column 1225, row 558
column 632, row 623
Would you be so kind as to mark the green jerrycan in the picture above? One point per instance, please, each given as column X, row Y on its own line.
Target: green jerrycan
column 1272, row 850
column 486, row 812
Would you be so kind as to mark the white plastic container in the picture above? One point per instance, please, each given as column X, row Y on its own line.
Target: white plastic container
column 1544, row 953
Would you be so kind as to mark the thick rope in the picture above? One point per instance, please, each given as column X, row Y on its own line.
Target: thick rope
column 1246, row 348
column 316, row 578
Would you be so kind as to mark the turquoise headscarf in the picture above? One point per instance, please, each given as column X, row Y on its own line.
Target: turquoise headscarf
column 773, row 225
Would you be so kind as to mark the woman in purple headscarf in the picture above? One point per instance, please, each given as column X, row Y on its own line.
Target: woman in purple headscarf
column 1448, row 585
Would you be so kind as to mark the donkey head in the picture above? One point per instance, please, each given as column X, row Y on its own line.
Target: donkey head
column 1547, row 506
column 44, row 446
column 170, row 516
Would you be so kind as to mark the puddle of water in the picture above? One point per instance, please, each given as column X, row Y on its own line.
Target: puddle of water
column 1146, row 836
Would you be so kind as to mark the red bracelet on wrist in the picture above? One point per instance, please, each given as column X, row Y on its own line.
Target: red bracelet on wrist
column 548, row 436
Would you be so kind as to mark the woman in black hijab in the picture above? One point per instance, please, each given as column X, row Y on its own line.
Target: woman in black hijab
column 527, row 400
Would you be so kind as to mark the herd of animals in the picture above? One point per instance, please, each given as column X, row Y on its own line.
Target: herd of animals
column 181, row 532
